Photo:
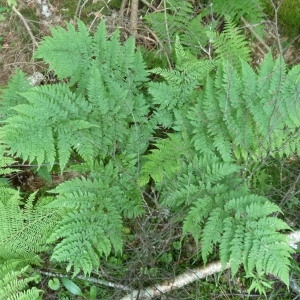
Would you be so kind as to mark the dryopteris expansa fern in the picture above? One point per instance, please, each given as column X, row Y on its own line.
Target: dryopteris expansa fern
column 251, row 10
column 160, row 164
column 17, row 84
column 24, row 230
column 6, row 162
column 238, row 110
column 101, row 111
column 176, row 97
column 217, row 117
column 220, row 209
column 243, row 229
column 14, row 281
column 92, row 224
column 71, row 53
column 237, row 114
column 171, row 22
column 230, row 44
column 56, row 117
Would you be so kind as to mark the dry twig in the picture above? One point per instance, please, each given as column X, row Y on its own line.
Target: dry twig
column 134, row 17
column 248, row 26
column 35, row 43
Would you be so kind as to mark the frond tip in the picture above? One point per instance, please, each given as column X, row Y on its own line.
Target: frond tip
column 246, row 235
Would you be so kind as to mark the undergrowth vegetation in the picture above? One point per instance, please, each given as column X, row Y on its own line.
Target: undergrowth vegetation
column 160, row 169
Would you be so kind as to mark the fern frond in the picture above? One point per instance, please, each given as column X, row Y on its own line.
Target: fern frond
column 290, row 94
column 106, row 113
column 247, row 110
column 177, row 93
column 231, row 44
column 15, row 281
column 174, row 21
column 67, row 51
column 211, row 233
column 92, row 224
column 6, row 162
column 194, row 220
column 10, row 96
column 24, row 231
column 252, row 10
column 160, row 163
column 87, row 235
column 269, row 252
column 53, row 114
column 199, row 178
column 245, row 232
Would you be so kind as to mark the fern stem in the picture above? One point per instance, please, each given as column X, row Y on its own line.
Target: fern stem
column 149, row 4
column 276, row 9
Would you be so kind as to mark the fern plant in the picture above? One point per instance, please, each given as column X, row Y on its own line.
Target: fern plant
column 237, row 116
column 175, row 97
column 92, row 223
column 230, row 44
column 220, row 209
column 24, row 226
column 250, row 114
column 251, row 10
column 99, row 112
column 14, row 281
column 220, row 116
column 237, row 111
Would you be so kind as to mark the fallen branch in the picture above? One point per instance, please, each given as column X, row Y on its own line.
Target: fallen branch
column 190, row 276
column 176, row 283
column 134, row 17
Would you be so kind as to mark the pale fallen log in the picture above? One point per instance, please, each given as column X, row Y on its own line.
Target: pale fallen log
column 190, row 276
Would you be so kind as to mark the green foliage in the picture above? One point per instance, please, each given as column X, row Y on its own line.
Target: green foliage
column 239, row 111
column 72, row 53
column 244, row 231
column 92, row 224
column 104, row 114
column 179, row 19
column 231, row 44
column 24, row 230
column 216, row 118
column 198, row 30
column 220, row 210
column 175, row 98
column 52, row 113
column 166, row 160
column 251, row 10
column 240, row 115
column 5, row 162
column 14, row 281
column 17, row 84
